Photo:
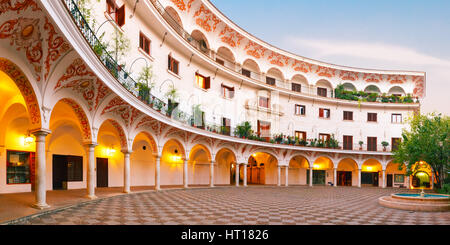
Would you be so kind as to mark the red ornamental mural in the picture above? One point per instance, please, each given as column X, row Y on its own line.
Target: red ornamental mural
column 80, row 79
column 123, row 109
column 349, row 76
column 17, row 6
column 302, row 66
column 82, row 119
column 372, row 78
column 123, row 139
column 325, row 71
column 255, row 50
column 25, row 35
column 396, row 79
column 57, row 46
column 231, row 37
column 25, row 88
column 181, row 5
column 206, row 19
column 419, row 89
column 278, row 59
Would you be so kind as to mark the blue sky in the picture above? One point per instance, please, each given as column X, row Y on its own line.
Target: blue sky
column 397, row 34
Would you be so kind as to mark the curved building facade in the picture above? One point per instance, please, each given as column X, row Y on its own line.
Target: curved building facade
column 154, row 93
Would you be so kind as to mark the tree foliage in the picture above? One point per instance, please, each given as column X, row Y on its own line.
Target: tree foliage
column 426, row 140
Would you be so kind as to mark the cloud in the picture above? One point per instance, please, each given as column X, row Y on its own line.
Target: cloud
column 374, row 51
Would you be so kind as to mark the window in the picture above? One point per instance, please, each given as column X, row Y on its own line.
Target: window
column 396, row 118
column 202, row 81
column 348, row 115
column 264, row 102
column 226, row 126
column 144, row 43
column 270, row 81
column 220, row 61
column 399, row 178
column 372, row 143
column 300, row 110
column 227, row 92
column 264, row 129
column 371, row 117
column 173, row 65
column 301, row 135
column 394, row 143
column 296, row 87
column 246, row 73
column 324, row 113
column 324, row 137
column 19, row 167
column 348, row 142
column 322, row 92
column 118, row 14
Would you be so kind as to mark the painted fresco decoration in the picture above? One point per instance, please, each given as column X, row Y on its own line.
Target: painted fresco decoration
column 25, row 88
column 82, row 80
column 348, row 75
column 325, row 71
column 231, row 37
column 18, row 6
column 82, row 119
column 302, row 66
column 121, row 133
column 182, row 6
column 396, row 79
column 25, row 34
column 372, row 77
column 57, row 46
column 121, row 108
column 206, row 19
column 255, row 50
column 419, row 89
column 278, row 59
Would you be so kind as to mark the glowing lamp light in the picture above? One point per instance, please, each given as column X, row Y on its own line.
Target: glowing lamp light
column 316, row 166
column 110, row 152
column 369, row 168
column 27, row 140
column 175, row 158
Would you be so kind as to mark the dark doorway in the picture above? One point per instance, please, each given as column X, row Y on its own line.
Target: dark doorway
column 318, row 177
column 389, row 180
column 102, row 172
column 369, row 178
column 65, row 169
column 344, row 178
column 59, row 172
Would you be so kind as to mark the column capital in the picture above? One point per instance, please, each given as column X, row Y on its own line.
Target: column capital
column 40, row 132
column 244, row 163
column 127, row 152
column 157, row 156
column 90, row 144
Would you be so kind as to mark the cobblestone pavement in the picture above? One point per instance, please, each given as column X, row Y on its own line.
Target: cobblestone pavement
column 245, row 206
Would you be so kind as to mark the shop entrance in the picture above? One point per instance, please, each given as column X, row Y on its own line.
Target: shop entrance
column 65, row 169
column 344, row 178
column 318, row 177
column 256, row 174
column 421, row 180
column 102, row 172
column 369, row 178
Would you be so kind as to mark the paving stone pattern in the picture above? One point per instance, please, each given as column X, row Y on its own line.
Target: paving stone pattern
column 245, row 206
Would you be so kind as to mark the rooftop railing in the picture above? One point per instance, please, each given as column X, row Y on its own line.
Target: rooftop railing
column 194, row 119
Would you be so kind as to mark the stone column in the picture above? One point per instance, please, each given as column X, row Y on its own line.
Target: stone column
column 90, row 150
column 359, row 177
column 237, row 175
column 311, row 176
column 286, row 170
column 211, row 174
column 279, row 176
column 384, row 179
column 40, row 186
column 245, row 175
column 158, row 173
column 335, row 177
column 126, row 172
column 185, row 173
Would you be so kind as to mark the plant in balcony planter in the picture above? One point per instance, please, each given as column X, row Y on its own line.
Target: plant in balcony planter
column 384, row 144
column 158, row 105
column 244, row 130
column 278, row 138
column 119, row 47
column 290, row 140
column 145, row 83
column 297, row 141
column 313, row 142
column 303, row 142
column 272, row 141
column 171, row 95
column 360, row 145
column 321, row 144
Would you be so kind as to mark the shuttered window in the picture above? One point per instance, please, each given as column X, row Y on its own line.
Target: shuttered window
column 371, row 117
column 372, row 143
column 173, row 65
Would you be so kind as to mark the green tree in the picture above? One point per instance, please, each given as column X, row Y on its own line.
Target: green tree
column 426, row 140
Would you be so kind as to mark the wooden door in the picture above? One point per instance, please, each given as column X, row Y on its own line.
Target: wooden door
column 102, row 172
column 59, row 172
column 389, row 180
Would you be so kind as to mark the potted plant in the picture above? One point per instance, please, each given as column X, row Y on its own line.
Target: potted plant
column 272, row 141
column 360, row 145
column 384, row 144
column 244, row 130
column 158, row 105
column 171, row 95
column 278, row 138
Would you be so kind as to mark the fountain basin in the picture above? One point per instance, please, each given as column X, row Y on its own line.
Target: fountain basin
column 414, row 202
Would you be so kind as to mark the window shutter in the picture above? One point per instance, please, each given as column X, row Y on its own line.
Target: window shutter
column 120, row 16
column 169, row 66
column 320, row 112
column 207, row 82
